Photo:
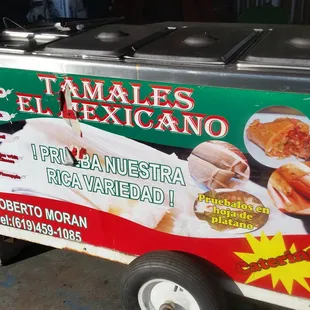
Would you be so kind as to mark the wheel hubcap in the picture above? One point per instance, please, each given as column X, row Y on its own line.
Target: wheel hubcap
column 159, row 294
column 167, row 306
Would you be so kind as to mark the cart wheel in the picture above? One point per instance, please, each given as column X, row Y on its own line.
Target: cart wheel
column 170, row 281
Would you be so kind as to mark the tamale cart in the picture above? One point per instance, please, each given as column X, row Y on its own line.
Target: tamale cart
column 181, row 149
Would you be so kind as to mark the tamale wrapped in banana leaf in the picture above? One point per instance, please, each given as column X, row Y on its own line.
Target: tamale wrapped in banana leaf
column 208, row 174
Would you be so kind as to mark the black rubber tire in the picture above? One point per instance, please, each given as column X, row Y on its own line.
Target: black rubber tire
column 180, row 268
column 10, row 248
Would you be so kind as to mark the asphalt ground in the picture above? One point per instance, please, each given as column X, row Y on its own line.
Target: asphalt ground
column 41, row 278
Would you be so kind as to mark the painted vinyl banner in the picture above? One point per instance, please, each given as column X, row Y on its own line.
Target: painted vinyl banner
column 140, row 166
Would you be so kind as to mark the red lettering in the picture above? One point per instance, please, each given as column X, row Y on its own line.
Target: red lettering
column 9, row 175
column 282, row 260
column 5, row 160
column 301, row 256
column 263, row 264
column 255, row 267
column 243, row 267
column 8, row 158
column 290, row 257
column 272, row 262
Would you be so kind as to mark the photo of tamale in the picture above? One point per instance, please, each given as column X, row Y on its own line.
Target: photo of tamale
column 231, row 210
column 289, row 188
column 224, row 156
column 281, row 138
column 214, row 164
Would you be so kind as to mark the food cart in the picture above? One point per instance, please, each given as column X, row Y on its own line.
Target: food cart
column 180, row 149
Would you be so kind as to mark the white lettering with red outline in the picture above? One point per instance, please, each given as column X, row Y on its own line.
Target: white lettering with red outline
column 123, row 105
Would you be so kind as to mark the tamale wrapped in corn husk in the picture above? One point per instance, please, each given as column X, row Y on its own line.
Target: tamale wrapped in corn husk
column 219, row 155
column 208, row 174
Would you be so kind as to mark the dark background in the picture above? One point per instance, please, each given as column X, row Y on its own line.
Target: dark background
column 146, row 11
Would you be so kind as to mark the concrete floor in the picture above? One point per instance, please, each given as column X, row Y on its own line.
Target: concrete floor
column 41, row 279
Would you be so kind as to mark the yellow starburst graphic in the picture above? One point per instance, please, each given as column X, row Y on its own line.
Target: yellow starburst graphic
column 271, row 257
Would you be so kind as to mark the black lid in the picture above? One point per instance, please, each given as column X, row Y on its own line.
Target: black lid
column 197, row 44
column 286, row 47
column 113, row 40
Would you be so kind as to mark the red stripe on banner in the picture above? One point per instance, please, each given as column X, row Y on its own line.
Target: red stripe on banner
column 106, row 230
